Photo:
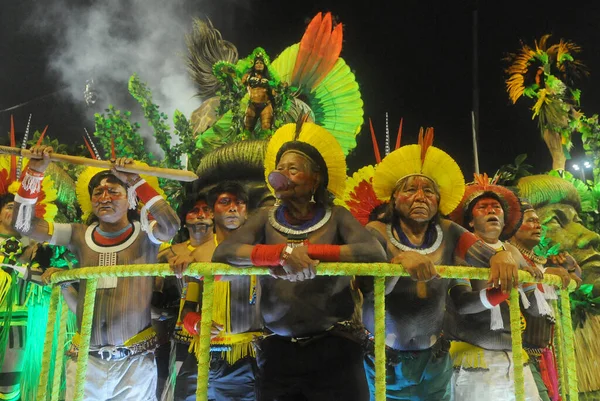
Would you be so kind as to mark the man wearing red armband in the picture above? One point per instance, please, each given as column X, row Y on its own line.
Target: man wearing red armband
column 422, row 182
column 121, row 363
column 481, row 350
column 311, row 349
column 236, row 321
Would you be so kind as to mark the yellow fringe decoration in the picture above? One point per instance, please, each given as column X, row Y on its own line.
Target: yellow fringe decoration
column 5, row 283
column 240, row 344
column 467, row 355
column 191, row 293
column 587, row 349
column 140, row 337
column 470, row 356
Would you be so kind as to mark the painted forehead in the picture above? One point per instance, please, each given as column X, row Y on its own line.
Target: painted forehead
column 417, row 180
column 488, row 201
column 106, row 184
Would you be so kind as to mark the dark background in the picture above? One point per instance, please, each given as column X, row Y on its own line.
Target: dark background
column 412, row 59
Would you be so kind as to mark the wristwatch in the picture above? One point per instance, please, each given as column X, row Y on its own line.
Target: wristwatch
column 286, row 254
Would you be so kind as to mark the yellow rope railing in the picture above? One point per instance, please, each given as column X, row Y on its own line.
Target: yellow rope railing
column 378, row 270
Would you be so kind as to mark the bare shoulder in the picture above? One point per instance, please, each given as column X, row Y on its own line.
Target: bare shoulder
column 340, row 213
column 178, row 249
column 204, row 252
column 378, row 226
column 513, row 251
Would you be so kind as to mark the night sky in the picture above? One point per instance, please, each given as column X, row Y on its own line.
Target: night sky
column 412, row 59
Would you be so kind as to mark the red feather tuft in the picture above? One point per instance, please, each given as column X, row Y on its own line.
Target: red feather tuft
column 318, row 49
column 89, row 148
column 363, row 201
column 375, row 146
column 306, row 46
column 399, row 137
column 113, row 154
column 4, row 182
column 425, row 141
column 330, row 56
column 39, row 142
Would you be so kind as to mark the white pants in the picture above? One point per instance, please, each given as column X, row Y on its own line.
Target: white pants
column 496, row 383
column 132, row 379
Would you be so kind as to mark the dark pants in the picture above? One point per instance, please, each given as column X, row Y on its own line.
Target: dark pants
column 225, row 382
column 324, row 369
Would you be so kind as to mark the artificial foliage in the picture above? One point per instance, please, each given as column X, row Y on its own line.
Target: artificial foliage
column 546, row 74
column 115, row 130
column 509, row 174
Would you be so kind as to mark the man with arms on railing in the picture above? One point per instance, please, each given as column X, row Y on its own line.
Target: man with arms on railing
column 422, row 183
column 121, row 363
column 199, row 226
column 482, row 346
column 235, row 315
column 311, row 349
column 537, row 337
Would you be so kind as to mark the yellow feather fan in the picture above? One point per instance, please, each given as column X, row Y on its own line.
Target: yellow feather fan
column 437, row 165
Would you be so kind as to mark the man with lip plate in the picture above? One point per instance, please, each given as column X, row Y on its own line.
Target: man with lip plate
column 235, row 315
column 422, row 182
column 481, row 350
column 311, row 348
column 121, row 363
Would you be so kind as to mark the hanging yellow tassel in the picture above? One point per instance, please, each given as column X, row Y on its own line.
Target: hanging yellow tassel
column 5, row 283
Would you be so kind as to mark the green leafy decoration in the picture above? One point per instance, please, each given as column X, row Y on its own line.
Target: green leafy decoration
column 583, row 303
column 509, row 174
column 545, row 247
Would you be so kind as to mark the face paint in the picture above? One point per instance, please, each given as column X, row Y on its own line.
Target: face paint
column 530, row 232
column 488, row 219
column 229, row 211
column 109, row 201
column 200, row 218
column 417, row 199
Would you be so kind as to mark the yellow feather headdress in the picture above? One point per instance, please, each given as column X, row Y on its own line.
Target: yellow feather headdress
column 422, row 159
column 319, row 138
column 83, row 195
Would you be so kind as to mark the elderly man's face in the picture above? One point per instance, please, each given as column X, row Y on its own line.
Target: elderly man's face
column 530, row 232
column 488, row 218
column 109, row 201
column 565, row 227
column 298, row 171
column 417, row 199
